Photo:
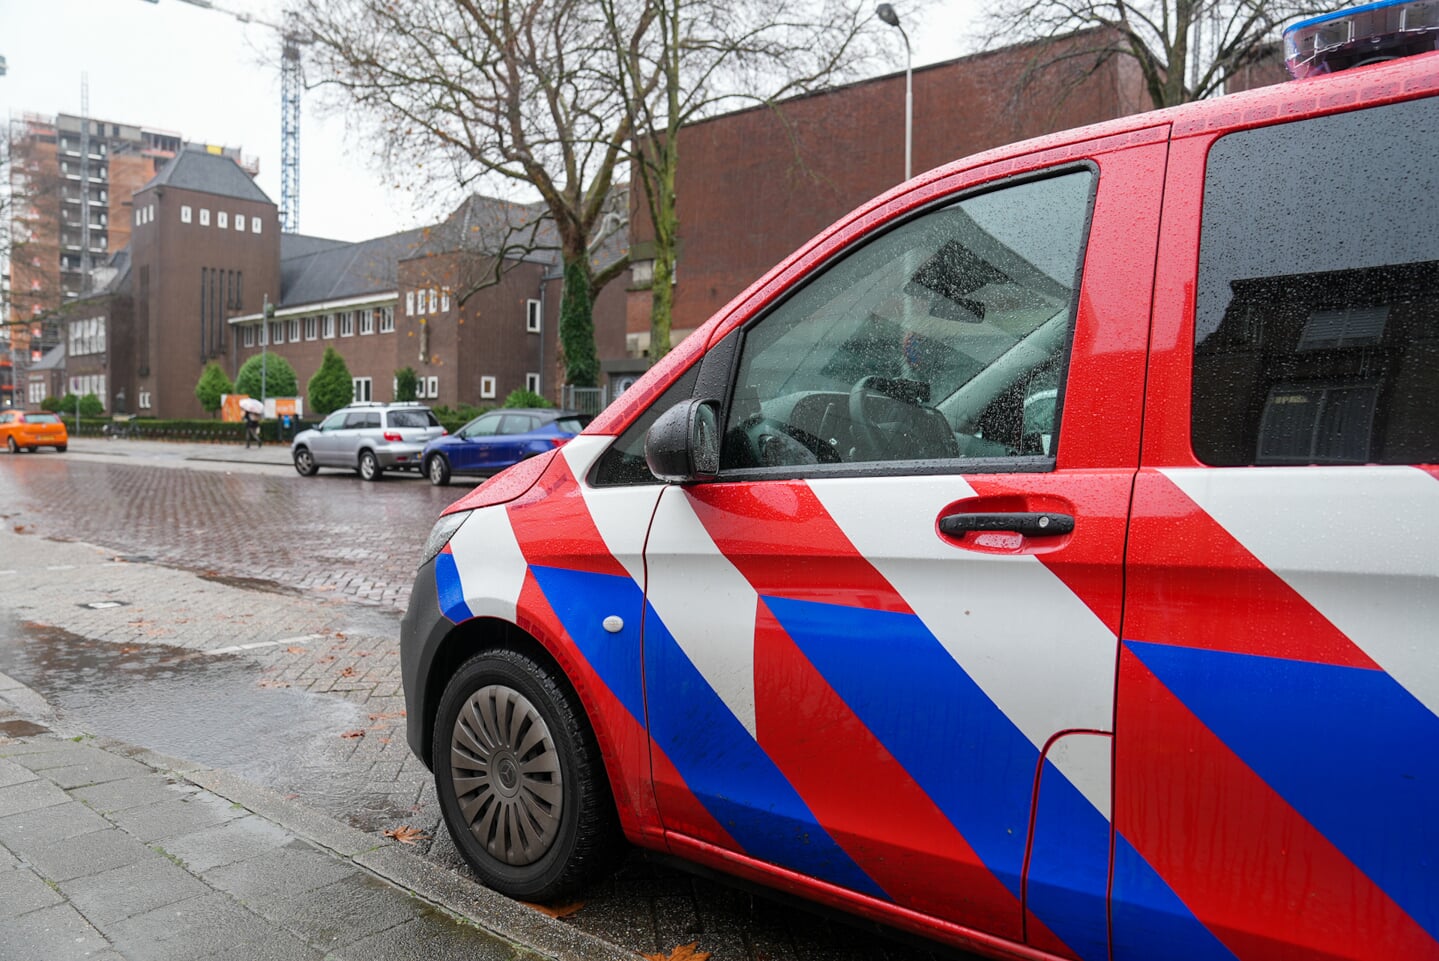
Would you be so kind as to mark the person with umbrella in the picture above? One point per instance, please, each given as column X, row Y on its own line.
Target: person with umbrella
column 253, row 409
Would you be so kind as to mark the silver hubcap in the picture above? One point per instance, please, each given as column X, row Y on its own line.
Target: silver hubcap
column 507, row 775
column 437, row 470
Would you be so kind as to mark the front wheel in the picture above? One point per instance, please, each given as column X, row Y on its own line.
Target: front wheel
column 437, row 469
column 61, row 448
column 305, row 464
column 370, row 468
column 520, row 780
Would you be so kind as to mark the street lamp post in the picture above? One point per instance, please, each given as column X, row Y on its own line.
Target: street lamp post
column 887, row 13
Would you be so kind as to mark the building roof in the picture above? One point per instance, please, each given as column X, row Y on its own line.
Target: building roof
column 54, row 359
column 298, row 245
column 207, row 173
column 324, row 273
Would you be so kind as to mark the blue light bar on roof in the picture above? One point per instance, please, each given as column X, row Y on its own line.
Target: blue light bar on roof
column 1360, row 35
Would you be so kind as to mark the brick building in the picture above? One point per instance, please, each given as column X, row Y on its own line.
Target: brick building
column 756, row 184
column 74, row 179
column 428, row 299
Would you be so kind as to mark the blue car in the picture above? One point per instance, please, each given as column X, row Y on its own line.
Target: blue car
column 491, row 442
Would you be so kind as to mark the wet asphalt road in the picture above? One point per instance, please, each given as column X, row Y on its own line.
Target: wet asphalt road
column 333, row 557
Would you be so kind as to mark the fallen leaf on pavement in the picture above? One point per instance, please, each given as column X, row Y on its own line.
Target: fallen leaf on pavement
column 555, row 910
column 405, row 834
column 387, row 715
column 685, row 952
column 353, row 734
column 348, row 672
column 295, row 650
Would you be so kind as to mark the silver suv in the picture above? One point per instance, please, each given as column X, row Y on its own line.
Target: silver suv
column 368, row 439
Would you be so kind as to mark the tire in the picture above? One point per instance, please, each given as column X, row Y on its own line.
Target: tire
column 305, row 464
column 437, row 469
column 370, row 468
column 10, row 444
column 544, row 825
column 31, row 449
column 61, row 448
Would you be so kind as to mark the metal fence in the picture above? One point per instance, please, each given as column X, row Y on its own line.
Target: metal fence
column 586, row 400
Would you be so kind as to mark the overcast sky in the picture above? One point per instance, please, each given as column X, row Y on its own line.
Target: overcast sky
column 206, row 76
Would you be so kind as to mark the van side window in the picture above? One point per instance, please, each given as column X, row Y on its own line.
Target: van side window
column 1317, row 315
column 943, row 339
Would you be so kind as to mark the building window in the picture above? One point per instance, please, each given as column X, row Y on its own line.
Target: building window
column 240, row 222
column 144, row 400
column 532, row 383
column 363, row 389
column 445, row 299
column 434, row 300
column 367, row 321
column 204, row 217
column 387, row 320
column 277, row 332
column 347, row 324
column 264, row 334
column 184, row 213
column 409, row 303
column 534, row 320
column 487, row 387
column 294, row 330
column 255, row 224
column 137, row 217
column 249, row 336
column 329, row 326
column 222, row 219
column 312, row 327
column 432, row 387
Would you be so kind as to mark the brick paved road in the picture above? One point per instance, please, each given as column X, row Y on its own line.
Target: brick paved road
column 296, row 584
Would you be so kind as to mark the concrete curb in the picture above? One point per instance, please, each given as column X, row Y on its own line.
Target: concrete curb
column 460, row 897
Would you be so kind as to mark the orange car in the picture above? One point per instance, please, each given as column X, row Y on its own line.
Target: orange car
column 32, row 429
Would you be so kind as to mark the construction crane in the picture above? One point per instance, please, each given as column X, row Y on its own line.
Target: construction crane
column 291, row 86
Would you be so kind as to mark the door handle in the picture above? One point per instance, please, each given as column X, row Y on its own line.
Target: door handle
column 1030, row 523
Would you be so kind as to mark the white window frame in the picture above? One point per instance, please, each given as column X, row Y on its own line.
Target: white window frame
column 264, row 334
column 204, row 216
column 347, row 323
column 293, row 333
column 445, row 299
column 362, row 389
column 409, row 303
column 222, row 219
column 367, row 322
column 329, row 327
column 534, row 319
column 255, row 224
column 532, row 383
column 185, row 214
column 487, row 388
column 240, row 223
column 434, row 300
column 432, row 387
column 144, row 402
column 277, row 332
column 312, row 327
column 248, row 335
column 387, row 320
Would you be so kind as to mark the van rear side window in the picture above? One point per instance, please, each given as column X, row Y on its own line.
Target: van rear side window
column 1317, row 317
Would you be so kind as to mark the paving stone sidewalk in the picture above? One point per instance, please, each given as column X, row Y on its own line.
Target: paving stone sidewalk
column 112, row 852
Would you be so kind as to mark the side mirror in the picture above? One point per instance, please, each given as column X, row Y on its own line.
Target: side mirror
column 683, row 445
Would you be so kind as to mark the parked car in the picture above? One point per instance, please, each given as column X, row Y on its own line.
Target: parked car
column 368, row 439
column 499, row 439
column 1041, row 560
column 32, row 430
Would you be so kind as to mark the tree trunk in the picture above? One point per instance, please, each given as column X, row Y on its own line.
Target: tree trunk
column 577, row 324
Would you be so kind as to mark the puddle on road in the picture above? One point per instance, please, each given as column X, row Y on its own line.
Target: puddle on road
column 182, row 703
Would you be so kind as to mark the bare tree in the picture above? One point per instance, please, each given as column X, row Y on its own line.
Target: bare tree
column 495, row 92
column 1185, row 49
column 678, row 61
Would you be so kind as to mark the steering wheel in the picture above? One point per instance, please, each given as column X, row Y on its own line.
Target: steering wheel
column 868, row 440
